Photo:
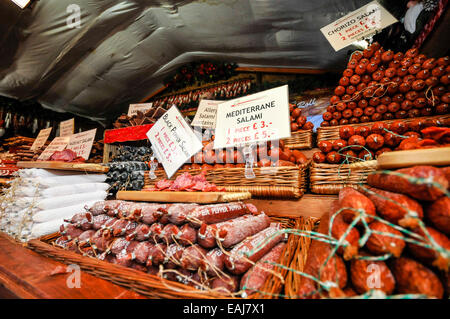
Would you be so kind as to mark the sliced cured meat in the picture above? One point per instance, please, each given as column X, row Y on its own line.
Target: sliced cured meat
column 163, row 184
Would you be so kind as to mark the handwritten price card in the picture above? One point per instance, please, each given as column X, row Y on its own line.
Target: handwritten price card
column 81, row 143
column 259, row 117
column 67, row 128
column 205, row 116
column 143, row 107
column 41, row 138
column 58, row 144
column 357, row 25
column 173, row 140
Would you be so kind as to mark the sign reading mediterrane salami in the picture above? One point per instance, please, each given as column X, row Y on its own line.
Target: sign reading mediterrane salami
column 259, row 117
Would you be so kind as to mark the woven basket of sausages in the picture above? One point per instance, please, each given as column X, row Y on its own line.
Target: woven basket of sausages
column 331, row 178
column 388, row 239
column 300, row 140
column 276, row 182
column 330, row 133
column 175, row 251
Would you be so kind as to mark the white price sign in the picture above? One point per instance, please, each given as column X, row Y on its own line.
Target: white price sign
column 41, row 138
column 205, row 116
column 81, row 143
column 143, row 107
column 259, row 117
column 173, row 140
column 67, row 128
column 58, row 144
column 357, row 25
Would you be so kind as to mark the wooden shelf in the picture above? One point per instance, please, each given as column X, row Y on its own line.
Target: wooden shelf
column 79, row 167
column 182, row 197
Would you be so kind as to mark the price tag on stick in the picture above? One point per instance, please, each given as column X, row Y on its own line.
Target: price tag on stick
column 259, row 117
column 81, row 143
column 173, row 140
column 143, row 107
column 41, row 138
column 67, row 128
column 58, row 144
column 205, row 116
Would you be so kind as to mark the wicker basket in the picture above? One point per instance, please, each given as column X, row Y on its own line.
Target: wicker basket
column 331, row 178
column 332, row 132
column 276, row 182
column 300, row 140
column 156, row 287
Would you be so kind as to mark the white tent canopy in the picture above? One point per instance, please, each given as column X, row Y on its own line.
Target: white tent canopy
column 122, row 50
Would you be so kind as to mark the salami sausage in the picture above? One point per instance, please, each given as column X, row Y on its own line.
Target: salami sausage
column 438, row 213
column 367, row 275
column 225, row 285
column 177, row 213
column 253, row 248
column 411, row 183
column 119, row 245
column 396, row 208
column 354, row 200
column 339, row 229
column 256, row 276
column 187, row 235
column 149, row 213
column 414, row 278
column 232, row 231
column 142, row 250
column 101, row 241
column 103, row 207
column 214, row 262
column 169, row 232
column 85, row 237
column 174, row 253
column 193, row 257
column 334, row 270
column 384, row 244
column 156, row 255
column 82, row 220
column 99, row 220
column 70, row 231
column 431, row 256
column 142, row 232
column 156, row 232
column 211, row 214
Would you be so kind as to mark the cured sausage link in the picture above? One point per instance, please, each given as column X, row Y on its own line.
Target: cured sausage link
column 232, row 231
column 252, row 249
column 211, row 214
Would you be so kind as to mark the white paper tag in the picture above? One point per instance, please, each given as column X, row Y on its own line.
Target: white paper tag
column 259, row 117
column 67, row 128
column 81, row 143
column 173, row 140
column 143, row 107
column 41, row 138
column 205, row 116
column 357, row 25
column 58, row 144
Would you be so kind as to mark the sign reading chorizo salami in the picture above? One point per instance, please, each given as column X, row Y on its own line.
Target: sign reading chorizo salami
column 357, row 25
column 173, row 140
column 143, row 107
column 58, row 144
column 205, row 116
column 67, row 128
column 41, row 138
column 81, row 143
column 259, row 117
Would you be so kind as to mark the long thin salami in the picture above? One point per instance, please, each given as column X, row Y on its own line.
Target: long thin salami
column 232, row 231
column 256, row 276
column 252, row 249
column 211, row 214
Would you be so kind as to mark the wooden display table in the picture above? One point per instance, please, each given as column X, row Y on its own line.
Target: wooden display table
column 28, row 275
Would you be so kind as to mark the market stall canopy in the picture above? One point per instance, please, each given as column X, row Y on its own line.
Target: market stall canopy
column 120, row 51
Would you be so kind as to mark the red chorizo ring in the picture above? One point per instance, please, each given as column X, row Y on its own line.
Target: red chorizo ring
column 193, row 257
column 177, row 213
column 211, row 214
column 252, row 249
column 256, row 276
column 214, row 262
column 232, row 231
column 409, row 182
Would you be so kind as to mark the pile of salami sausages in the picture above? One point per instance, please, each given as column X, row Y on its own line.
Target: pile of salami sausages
column 380, row 85
column 388, row 254
column 225, row 247
column 368, row 142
